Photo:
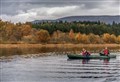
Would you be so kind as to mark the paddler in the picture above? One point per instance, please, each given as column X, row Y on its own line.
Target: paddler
column 105, row 52
column 85, row 52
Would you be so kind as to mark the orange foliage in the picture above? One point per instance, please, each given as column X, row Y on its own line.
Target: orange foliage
column 106, row 37
column 43, row 36
column 118, row 39
column 29, row 39
column 78, row 37
column 71, row 34
column 84, row 39
column 113, row 38
column 94, row 38
column 26, row 30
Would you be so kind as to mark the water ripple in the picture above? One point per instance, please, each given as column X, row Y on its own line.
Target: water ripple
column 58, row 68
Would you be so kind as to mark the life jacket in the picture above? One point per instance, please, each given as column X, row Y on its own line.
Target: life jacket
column 106, row 51
column 85, row 53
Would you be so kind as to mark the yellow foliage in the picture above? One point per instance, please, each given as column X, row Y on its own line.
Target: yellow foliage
column 113, row 38
column 71, row 34
column 43, row 36
column 29, row 38
column 118, row 39
column 84, row 39
column 94, row 38
column 78, row 37
column 9, row 29
column 55, row 35
column 106, row 37
column 26, row 30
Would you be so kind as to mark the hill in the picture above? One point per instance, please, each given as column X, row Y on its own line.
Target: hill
column 105, row 19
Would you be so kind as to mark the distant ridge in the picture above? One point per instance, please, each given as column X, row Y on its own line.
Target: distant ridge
column 105, row 18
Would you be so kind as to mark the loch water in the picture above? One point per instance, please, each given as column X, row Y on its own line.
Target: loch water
column 58, row 68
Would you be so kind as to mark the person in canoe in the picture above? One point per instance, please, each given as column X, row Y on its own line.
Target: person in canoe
column 105, row 52
column 85, row 52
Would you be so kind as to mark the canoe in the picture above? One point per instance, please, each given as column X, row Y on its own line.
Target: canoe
column 75, row 56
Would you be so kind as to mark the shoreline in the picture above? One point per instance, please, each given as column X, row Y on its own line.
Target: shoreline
column 12, row 49
column 70, row 45
column 36, row 50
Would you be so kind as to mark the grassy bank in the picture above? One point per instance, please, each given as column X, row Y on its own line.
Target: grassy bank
column 7, row 50
column 59, row 45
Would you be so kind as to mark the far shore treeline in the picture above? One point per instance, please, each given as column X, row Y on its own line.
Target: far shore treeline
column 85, row 32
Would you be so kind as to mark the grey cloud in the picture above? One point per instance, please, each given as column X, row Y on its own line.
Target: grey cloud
column 12, row 6
column 43, row 9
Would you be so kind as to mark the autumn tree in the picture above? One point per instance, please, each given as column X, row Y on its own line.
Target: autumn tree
column 113, row 38
column 71, row 35
column 78, row 37
column 17, row 33
column 29, row 39
column 98, row 39
column 94, row 38
column 84, row 39
column 56, row 34
column 43, row 36
column 60, row 37
column 106, row 38
column 81, row 32
column 2, row 31
column 10, row 31
column 118, row 39
column 54, row 38
column 26, row 30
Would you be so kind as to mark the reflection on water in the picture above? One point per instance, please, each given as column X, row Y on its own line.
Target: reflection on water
column 86, row 61
column 58, row 68
column 21, row 51
column 61, row 49
column 106, row 61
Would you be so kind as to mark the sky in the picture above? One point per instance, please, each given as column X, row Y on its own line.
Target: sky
column 30, row 10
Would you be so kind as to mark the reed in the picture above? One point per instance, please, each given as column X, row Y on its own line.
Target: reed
column 58, row 45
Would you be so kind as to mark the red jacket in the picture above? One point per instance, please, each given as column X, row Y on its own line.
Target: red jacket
column 84, row 53
column 106, row 51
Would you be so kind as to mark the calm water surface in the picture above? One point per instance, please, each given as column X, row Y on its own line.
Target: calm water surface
column 58, row 68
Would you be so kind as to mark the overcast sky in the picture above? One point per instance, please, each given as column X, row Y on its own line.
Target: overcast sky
column 29, row 10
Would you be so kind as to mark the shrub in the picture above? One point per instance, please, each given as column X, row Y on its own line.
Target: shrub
column 42, row 36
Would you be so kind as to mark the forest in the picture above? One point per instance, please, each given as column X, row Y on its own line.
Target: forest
column 84, row 32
